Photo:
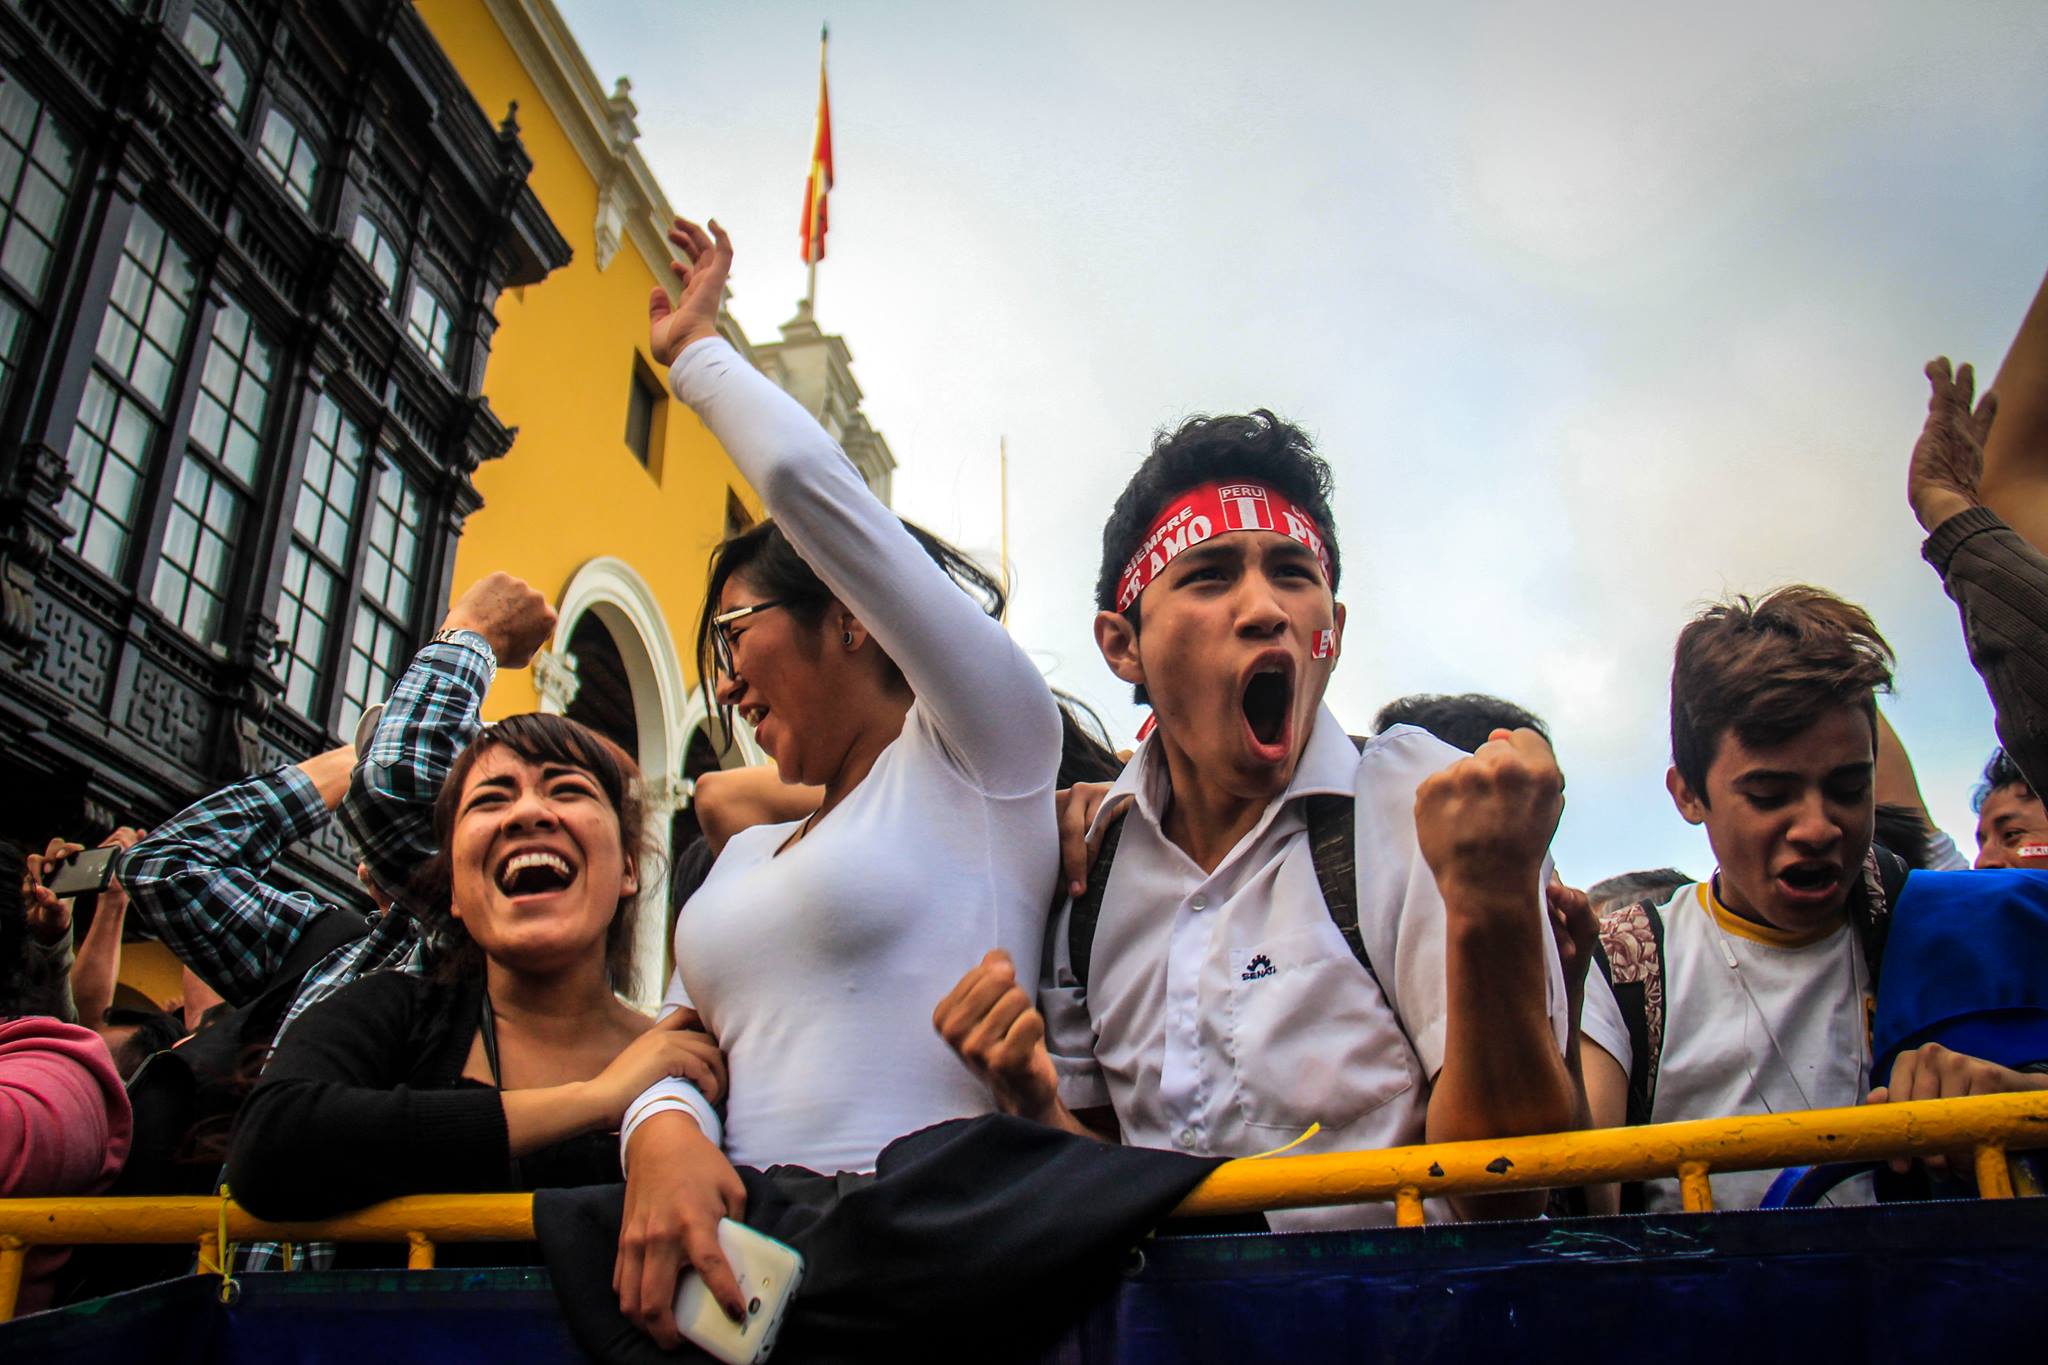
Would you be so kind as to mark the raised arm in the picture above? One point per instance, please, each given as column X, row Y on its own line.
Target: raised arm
column 430, row 717
column 98, row 966
column 2016, row 452
column 1997, row 579
column 198, row 882
column 1484, row 824
column 981, row 689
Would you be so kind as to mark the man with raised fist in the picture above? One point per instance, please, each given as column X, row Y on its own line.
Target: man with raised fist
column 1282, row 928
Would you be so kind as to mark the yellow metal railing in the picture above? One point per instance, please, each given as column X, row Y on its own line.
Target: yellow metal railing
column 1985, row 1127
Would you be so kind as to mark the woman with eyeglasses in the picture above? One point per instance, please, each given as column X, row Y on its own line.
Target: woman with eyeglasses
column 815, row 949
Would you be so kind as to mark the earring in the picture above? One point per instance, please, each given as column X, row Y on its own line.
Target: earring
column 848, row 638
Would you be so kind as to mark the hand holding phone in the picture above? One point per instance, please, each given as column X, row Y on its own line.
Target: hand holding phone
column 83, row 873
column 768, row 1273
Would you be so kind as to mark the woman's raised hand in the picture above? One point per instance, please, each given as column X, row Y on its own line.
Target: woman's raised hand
column 672, row 1048
column 694, row 315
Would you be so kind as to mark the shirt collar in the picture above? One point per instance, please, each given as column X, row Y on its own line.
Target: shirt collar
column 1328, row 766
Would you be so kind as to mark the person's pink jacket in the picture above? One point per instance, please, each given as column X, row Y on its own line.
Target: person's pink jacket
column 63, row 1124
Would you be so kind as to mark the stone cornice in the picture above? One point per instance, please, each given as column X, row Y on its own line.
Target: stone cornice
column 541, row 39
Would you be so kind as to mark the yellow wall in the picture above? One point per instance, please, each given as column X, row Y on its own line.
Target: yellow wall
column 570, row 489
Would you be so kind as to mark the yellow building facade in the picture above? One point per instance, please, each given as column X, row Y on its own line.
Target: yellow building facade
column 613, row 495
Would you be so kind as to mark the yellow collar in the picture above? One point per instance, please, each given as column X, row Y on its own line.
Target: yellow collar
column 1768, row 935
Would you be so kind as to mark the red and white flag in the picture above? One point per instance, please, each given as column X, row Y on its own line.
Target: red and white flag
column 1245, row 507
column 819, row 182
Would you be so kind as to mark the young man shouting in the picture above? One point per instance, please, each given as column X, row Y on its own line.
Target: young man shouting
column 1751, row 992
column 1214, row 1004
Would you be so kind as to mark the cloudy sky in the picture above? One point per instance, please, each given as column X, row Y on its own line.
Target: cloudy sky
column 1598, row 309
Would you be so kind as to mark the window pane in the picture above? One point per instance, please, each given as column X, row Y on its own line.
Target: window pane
column 106, row 474
column 369, row 241
column 36, row 162
column 428, row 323
column 639, row 418
column 303, row 611
column 152, row 295
column 288, row 157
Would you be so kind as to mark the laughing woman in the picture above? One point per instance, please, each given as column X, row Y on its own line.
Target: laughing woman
column 815, row 950
column 510, row 1067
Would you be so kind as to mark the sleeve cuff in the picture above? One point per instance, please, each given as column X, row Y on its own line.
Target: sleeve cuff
column 1948, row 537
column 297, row 801
column 669, row 1094
column 693, row 358
column 466, row 653
column 1081, row 1083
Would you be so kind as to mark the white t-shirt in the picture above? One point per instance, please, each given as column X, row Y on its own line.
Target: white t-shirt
column 1224, row 1013
column 817, row 970
column 1785, row 1028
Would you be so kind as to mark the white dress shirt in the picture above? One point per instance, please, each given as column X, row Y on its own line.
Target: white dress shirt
column 1224, row 1012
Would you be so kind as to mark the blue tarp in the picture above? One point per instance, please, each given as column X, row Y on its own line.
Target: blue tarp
column 1893, row 1284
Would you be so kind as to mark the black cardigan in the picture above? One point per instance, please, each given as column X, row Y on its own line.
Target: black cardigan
column 364, row 1100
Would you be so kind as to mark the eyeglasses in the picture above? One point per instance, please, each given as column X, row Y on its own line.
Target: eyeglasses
column 721, row 632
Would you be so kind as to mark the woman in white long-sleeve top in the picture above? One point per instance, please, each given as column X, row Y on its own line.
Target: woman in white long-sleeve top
column 815, row 950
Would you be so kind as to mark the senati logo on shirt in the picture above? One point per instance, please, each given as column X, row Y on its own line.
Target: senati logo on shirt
column 1245, row 507
column 1258, row 967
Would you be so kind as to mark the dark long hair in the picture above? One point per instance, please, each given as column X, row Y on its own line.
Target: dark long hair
column 768, row 561
column 539, row 739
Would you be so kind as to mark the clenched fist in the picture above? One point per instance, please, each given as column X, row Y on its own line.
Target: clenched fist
column 1485, row 822
column 507, row 612
column 989, row 1020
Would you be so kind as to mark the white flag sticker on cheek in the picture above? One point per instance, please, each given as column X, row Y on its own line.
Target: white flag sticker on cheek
column 2032, row 851
column 1325, row 646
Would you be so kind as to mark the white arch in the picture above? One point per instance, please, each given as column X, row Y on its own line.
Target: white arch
column 620, row 598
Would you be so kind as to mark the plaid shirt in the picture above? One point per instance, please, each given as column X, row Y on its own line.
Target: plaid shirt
column 432, row 715
column 198, row 881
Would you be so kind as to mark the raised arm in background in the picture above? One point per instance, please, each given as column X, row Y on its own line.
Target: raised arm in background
column 732, row 799
column 199, row 880
column 430, row 717
column 1997, row 579
column 2016, row 452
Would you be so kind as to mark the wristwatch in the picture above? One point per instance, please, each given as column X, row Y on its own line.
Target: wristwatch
column 472, row 639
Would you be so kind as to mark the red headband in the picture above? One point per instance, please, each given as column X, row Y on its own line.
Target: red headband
column 1216, row 509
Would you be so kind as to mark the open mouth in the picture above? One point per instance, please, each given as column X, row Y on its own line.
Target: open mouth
column 1267, row 701
column 534, row 874
column 1810, row 879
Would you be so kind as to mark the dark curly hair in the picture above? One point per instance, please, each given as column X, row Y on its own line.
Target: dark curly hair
column 1767, row 668
column 1253, row 446
column 539, row 739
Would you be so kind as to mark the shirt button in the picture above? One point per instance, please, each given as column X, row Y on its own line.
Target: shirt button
column 1198, row 903
column 1187, row 1137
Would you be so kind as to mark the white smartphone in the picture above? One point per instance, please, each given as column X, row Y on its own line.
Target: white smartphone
column 768, row 1272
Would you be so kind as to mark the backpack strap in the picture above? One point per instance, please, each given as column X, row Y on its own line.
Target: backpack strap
column 1632, row 957
column 1870, row 904
column 1088, row 905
